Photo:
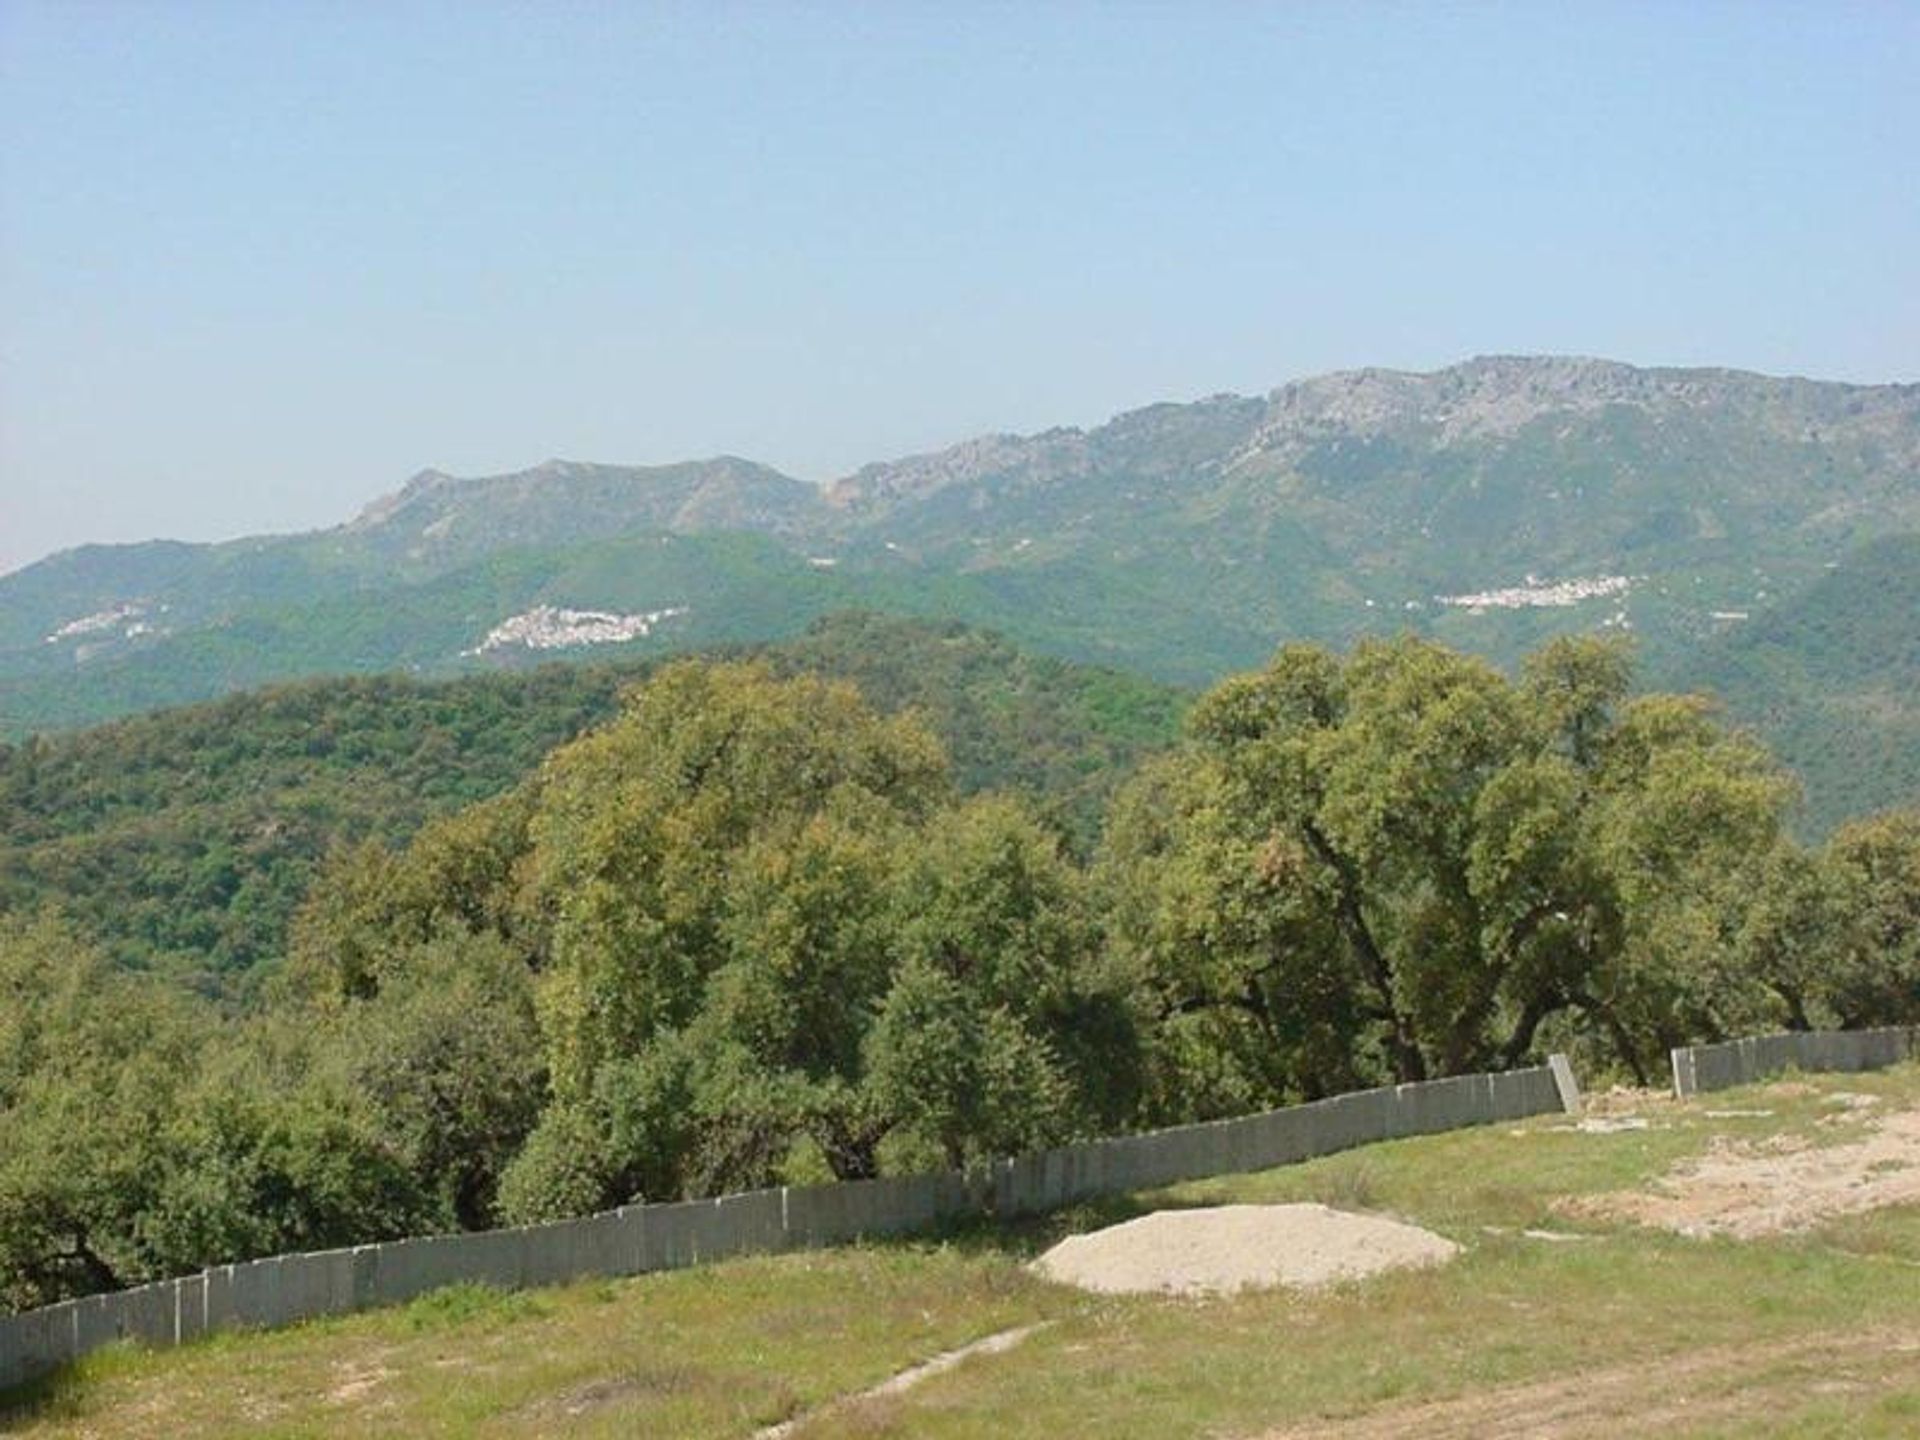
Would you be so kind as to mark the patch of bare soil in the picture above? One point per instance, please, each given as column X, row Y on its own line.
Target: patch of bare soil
column 354, row 1382
column 618, row 1390
column 1750, row 1190
column 1721, row 1386
column 1235, row 1247
column 1626, row 1100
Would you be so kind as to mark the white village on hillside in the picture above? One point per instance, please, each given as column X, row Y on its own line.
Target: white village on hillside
column 549, row 627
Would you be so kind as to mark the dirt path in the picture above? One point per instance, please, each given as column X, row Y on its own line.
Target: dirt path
column 905, row 1380
column 1724, row 1385
column 1747, row 1191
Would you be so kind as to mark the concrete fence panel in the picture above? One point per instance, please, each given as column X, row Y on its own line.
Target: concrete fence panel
column 308, row 1283
column 1774, row 1053
column 1686, row 1072
column 1089, row 1167
column 1240, row 1141
column 1081, row 1172
column 1016, row 1186
column 667, row 1236
column 1052, row 1166
column 217, row 1298
column 1828, row 1050
column 1507, row 1095
column 18, row 1336
column 1341, row 1122
column 1078, row 1172
column 636, row 1239
column 1700, row 1068
column 120, row 1315
column 1424, row 1099
column 1167, row 1156
column 505, row 1259
column 1880, row 1048
column 93, row 1323
column 1409, row 1110
column 821, row 1215
column 190, row 1307
column 918, row 1202
column 1155, row 1158
column 499, row 1258
column 403, row 1269
column 1280, row 1137
column 407, row 1269
column 598, row 1244
column 707, row 1232
column 564, row 1250
column 37, row 1341
column 828, row 1214
column 543, row 1252
column 1461, row 1101
column 253, row 1293
column 1372, row 1115
column 1192, row 1151
column 145, row 1314
column 1068, row 1174
column 853, row 1209
column 1541, row 1091
column 753, row 1223
column 1128, row 1163
column 1220, row 1155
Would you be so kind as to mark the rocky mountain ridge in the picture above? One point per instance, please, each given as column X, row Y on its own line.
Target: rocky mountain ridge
column 1180, row 540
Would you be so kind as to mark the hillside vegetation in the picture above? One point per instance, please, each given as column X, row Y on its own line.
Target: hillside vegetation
column 183, row 840
column 1491, row 505
column 749, row 930
column 1832, row 677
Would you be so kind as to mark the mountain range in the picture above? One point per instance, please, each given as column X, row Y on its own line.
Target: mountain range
column 1755, row 534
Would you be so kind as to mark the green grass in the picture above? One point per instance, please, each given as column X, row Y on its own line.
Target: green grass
column 1787, row 1336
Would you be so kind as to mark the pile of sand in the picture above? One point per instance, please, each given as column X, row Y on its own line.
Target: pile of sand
column 1234, row 1247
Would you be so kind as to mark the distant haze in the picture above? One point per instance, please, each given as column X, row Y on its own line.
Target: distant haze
column 258, row 264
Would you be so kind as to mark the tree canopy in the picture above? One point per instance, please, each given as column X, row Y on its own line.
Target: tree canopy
column 750, row 930
column 1405, row 855
column 758, row 919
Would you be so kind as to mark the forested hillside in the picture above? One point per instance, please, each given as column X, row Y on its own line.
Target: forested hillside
column 1491, row 505
column 1832, row 677
column 184, row 839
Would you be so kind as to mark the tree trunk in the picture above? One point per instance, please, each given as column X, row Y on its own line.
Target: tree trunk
column 1402, row 1047
column 1536, row 1010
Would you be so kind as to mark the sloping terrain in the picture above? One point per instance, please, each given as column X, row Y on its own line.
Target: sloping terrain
column 1831, row 676
column 1541, row 1326
column 1491, row 504
column 184, row 839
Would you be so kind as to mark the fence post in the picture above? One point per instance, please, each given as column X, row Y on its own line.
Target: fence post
column 1564, row 1082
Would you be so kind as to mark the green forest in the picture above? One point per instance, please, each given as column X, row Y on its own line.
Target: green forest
column 183, row 840
column 343, row 961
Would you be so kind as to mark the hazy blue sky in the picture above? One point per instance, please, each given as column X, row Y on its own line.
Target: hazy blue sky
column 261, row 261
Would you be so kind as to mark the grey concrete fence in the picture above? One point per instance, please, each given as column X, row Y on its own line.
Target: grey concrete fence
column 637, row 1239
column 1741, row 1062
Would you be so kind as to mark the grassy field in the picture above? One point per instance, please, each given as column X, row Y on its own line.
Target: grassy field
column 1623, row 1330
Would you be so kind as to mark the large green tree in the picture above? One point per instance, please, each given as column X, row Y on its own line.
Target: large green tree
column 143, row 1134
column 762, row 935
column 1877, row 978
column 1407, row 854
column 1834, row 933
